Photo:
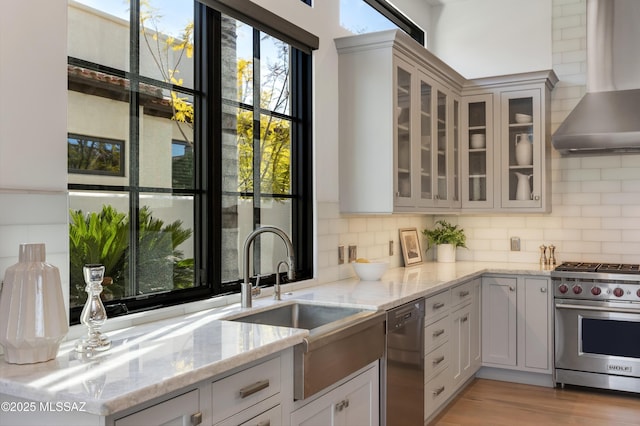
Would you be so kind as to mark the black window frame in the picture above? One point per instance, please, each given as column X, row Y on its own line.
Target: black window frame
column 207, row 191
column 400, row 20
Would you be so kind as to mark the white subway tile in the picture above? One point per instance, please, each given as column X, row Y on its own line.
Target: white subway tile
column 602, row 235
column 601, row 211
column 357, row 224
column 620, row 198
column 581, row 199
column 606, row 186
column 622, row 173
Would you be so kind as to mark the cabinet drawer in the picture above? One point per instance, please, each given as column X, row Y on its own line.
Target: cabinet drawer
column 436, row 361
column 245, row 388
column 461, row 293
column 178, row 410
column 436, row 334
column 435, row 306
column 272, row 417
column 436, row 392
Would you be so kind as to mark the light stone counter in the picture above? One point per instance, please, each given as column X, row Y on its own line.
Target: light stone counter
column 401, row 285
column 148, row 361
column 145, row 362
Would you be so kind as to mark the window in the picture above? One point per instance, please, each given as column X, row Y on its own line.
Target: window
column 214, row 116
column 365, row 16
column 93, row 155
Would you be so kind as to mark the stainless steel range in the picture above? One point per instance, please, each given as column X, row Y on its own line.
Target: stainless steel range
column 597, row 325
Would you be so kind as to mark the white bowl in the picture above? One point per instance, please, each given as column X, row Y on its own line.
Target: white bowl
column 478, row 140
column 523, row 118
column 371, row 271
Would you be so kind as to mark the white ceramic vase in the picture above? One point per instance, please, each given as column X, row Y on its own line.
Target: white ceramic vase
column 446, row 253
column 33, row 320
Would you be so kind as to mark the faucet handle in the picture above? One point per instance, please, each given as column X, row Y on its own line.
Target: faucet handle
column 255, row 290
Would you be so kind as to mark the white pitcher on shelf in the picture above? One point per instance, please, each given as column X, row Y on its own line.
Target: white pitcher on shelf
column 524, row 149
column 523, row 189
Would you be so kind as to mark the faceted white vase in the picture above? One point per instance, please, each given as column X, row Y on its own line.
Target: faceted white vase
column 33, row 321
column 446, row 253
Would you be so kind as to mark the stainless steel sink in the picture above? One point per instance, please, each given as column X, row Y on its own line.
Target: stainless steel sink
column 341, row 341
column 301, row 315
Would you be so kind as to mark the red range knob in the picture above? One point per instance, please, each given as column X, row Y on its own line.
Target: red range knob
column 638, row 293
column 596, row 291
column 563, row 288
column 577, row 289
column 618, row 292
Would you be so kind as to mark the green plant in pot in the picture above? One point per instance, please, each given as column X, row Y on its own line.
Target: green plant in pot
column 447, row 238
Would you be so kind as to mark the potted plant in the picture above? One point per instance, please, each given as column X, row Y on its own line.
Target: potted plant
column 446, row 237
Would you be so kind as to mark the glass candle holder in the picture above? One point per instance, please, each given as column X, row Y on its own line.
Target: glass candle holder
column 93, row 314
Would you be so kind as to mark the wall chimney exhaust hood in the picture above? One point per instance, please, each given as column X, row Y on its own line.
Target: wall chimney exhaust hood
column 607, row 118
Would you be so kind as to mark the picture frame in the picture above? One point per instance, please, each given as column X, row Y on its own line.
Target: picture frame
column 411, row 248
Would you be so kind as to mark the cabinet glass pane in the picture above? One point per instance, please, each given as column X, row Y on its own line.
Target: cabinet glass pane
column 520, row 141
column 403, row 126
column 425, row 141
column 477, row 151
column 456, row 150
column 442, row 146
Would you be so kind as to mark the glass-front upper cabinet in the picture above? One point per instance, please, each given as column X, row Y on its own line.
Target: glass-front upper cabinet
column 478, row 152
column 455, row 184
column 425, row 155
column 521, row 149
column 442, row 149
column 404, row 122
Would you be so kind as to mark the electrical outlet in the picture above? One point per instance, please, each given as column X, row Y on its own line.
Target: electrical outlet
column 340, row 255
column 353, row 253
column 515, row 243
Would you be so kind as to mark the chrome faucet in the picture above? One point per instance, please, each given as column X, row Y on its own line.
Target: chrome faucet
column 246, row 289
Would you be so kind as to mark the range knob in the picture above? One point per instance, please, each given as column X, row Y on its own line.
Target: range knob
column 563, row 289
column 577, row 289
column 638, row 293
column 618, row 292
column 596, row 291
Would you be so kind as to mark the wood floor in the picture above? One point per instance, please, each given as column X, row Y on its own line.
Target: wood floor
column 489, row 402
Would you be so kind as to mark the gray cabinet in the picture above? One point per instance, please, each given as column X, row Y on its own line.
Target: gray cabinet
column 506, row 146
column 354, row 402
column 452, row 343
column 180, row 410
column 465, row 332
column 399, row 126
column 517, row 326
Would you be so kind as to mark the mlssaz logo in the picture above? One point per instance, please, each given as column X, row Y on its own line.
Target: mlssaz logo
column 621, row 368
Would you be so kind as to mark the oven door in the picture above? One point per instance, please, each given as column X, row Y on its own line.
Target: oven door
column 597, row 337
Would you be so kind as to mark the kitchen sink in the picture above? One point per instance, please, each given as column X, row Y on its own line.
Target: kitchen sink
column 341, row 341
column 301, row 315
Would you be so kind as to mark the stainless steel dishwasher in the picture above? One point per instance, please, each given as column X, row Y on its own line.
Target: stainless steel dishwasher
column 404, row 367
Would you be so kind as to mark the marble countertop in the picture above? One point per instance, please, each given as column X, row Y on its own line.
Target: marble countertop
column 168, row 355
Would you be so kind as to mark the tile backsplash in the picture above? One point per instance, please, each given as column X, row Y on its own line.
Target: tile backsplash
column 35, row 217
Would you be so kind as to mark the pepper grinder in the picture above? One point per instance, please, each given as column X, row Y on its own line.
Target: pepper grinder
column 552, row 255
column 543, row 255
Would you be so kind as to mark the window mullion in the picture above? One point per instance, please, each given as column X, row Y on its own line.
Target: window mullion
column 134, row 138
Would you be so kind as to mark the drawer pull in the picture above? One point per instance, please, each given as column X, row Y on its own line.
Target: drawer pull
column 264, row 423
column 438, row 360
column 196, row 419
column 438, row 332
column 464, row 293
column 438, row 391
column 256, row 387
column 438, row 305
